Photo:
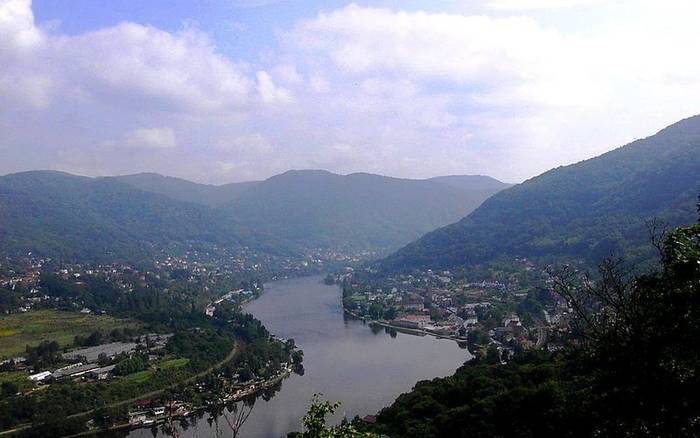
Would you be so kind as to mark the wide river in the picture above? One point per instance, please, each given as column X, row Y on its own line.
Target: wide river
column 344, row 359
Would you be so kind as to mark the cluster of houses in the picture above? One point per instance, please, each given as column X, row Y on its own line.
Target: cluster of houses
column 145, row 417
column 236, row 296
column 442, row 303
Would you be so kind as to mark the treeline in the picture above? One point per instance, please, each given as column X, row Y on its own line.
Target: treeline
column 46, row 354
column 131, row 365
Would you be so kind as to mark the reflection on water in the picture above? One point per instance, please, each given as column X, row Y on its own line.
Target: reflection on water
column 363, row 366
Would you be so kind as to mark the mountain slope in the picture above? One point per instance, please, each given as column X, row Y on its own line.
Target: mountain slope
column 73, row 217
column 472, row 183
column 586, row 210
column 357, row 211
column 183, row 190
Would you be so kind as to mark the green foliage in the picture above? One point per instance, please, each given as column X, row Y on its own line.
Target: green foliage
column 128, row 218
column 130, row 365
column 187, row 191
column 589, row 210
column 358, row 211
column 9, row 300
column 31, row 328
column 633, row 372
column 315, row 423
column 201, row 346
column 45, row 354
column 101, row 219
column 8, row 389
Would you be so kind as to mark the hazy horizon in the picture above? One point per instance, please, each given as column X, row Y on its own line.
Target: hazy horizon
column 252, row 180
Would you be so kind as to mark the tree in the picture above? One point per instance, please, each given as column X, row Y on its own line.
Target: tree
column 130, row 365
column 8, row 389
column 632, row 370
column 390, row 313
column 376, row 310
column 237, row 415
column 315, row 423
column 103, row 360
column 639, row 339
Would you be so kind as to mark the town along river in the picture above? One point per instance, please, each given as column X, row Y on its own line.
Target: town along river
column 365, row 368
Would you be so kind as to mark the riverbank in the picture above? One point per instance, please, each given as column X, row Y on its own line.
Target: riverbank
column 238, row 396
column 410, row 331
column 343, row 360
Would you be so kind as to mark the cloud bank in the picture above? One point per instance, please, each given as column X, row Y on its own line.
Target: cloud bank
column 401, row 92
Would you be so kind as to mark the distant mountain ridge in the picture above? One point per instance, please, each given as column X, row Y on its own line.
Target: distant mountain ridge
column 184, row 190
column 355, row 211
column 321, row 209
column 78, row 218
column 71, row 216
column 587, row 210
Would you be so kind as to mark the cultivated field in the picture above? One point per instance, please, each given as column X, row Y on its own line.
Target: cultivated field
column 22, row 329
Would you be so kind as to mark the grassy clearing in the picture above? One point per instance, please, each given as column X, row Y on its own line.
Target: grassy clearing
column 139, row 377
column 169, row 364
column 22, row 329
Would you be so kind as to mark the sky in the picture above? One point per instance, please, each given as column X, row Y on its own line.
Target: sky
column 221, row 91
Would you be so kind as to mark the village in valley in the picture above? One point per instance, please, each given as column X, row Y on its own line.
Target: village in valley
column 497, row 316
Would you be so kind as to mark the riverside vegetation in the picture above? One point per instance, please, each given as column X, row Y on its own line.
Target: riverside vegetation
column 630, row 370
column 158, row 347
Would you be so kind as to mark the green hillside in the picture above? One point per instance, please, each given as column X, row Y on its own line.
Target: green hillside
column 183, row 190
column 584, row 211
column 73, row 217
column 357, row 211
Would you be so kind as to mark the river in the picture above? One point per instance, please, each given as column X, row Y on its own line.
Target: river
column 344, row 359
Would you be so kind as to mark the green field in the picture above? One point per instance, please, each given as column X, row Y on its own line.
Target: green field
column 22, row 329
column 169, row 364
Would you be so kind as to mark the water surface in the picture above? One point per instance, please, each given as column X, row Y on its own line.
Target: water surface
column 344, row 359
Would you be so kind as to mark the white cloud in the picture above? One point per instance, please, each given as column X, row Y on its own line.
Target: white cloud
column 17, row 26
column 527, row 95
column 514, row 55
column 510, row 92
column 125, row 64
column 319, row 84
column 180, row 71
column 247, row 144
column 20, row 83
column 150, row 138
column 541, row 4
column 269, row 92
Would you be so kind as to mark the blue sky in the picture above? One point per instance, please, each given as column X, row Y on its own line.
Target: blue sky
column 219, row 91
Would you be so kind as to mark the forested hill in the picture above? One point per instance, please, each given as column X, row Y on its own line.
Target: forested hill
column 72, row 217
column 586, row 210
column 317, row 208
column 356, row 211
column 184, row 190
